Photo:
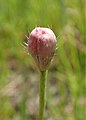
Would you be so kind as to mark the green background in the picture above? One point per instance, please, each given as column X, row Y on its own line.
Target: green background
column 19, row 77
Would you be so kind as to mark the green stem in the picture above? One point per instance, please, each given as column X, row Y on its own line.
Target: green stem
column 43, row 79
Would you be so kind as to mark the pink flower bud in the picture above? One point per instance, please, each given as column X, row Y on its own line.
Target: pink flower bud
column 42, row 45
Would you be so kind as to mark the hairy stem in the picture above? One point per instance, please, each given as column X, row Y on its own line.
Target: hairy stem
column 43, row 79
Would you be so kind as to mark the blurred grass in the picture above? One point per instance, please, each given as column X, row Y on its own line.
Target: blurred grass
column 67, row 18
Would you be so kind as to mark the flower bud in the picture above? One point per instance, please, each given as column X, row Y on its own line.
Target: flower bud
column 41, row 46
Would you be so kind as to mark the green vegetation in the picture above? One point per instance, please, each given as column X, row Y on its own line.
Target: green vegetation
column 18, row 74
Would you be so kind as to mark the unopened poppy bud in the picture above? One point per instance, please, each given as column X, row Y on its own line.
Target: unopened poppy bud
column 41, row 46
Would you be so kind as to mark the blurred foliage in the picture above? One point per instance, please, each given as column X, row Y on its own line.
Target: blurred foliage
column 67, row 19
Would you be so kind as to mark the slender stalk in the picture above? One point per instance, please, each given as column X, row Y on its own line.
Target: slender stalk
column 42, row 93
